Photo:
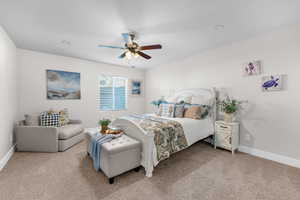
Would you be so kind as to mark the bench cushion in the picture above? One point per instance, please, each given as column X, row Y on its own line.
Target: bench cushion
column 120, row 144
column 68, row 131
column 119, row 155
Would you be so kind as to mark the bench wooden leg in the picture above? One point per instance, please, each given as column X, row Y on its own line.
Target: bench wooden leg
column 111, row 180
column 137, row 169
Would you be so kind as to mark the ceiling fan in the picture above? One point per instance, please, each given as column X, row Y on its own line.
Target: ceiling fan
column 132, row 49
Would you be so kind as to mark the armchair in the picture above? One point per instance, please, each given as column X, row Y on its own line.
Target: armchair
column 48, row 139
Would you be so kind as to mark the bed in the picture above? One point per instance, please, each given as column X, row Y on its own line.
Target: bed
column 194, row 130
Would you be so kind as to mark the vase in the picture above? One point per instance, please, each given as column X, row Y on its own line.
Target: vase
column 228, row 117
column 104, row 128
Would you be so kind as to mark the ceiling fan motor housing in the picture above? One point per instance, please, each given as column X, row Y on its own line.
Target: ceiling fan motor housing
column 133, row 47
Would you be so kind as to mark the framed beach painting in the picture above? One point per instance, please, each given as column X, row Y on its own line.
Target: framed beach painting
column 252, row 68
column 62, row 85
column 136, row 87
column 272, row 83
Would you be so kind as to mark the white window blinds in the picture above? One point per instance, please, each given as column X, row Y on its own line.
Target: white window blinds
column 112, row 93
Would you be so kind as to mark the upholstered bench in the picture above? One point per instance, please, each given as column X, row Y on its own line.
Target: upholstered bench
column 118, row 156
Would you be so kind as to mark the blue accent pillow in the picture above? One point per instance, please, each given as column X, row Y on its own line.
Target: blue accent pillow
column 166, row 109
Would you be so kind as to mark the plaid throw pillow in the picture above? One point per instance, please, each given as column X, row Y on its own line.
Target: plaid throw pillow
column 50, row 119
column 166, row 109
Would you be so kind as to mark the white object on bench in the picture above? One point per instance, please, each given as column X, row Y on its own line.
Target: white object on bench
column 119, row 155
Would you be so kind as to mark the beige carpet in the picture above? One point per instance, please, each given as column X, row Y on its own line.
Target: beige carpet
column 199, row 172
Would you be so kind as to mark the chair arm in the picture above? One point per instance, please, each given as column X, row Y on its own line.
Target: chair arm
column 37, row 138
column 75, row 121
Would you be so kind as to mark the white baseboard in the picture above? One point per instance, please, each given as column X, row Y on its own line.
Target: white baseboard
column 7, row 156
column 270, row 156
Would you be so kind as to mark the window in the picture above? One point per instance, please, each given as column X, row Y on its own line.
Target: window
column 112, row 93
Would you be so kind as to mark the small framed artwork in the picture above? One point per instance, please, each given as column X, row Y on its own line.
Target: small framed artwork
column 272, row 83
column 136, row 87
column 252, row 68
column 62, row 85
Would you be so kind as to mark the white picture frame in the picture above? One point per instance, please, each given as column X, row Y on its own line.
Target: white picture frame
column 272, row 83
column 252, row 68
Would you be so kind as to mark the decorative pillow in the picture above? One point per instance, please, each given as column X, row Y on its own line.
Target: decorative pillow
column 166, row 109
column 179, row 110
column 49, row 119
column 32, row 120
column 193, row 112
column 204, row 111
column 64, row 117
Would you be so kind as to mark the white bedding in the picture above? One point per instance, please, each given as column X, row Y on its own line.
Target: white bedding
column 194, row 129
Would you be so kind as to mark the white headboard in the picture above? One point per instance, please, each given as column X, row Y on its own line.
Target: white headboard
column 199, row 96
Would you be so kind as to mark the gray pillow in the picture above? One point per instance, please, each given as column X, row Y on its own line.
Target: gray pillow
column 32, row 120
column 179, row 110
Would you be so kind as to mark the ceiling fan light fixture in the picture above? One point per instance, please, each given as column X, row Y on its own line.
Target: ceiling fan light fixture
column 128, row 55
column 132, row 49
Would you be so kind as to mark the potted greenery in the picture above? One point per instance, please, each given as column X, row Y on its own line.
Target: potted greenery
column 229, row 107
column 158, row 102
column 104, row 124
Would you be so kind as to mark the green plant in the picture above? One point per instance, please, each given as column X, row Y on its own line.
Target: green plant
column 104, row 122
column 230, row 106
column 158, row 102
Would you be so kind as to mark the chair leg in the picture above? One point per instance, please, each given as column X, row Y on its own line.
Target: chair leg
column 137, row 169
column 111, row 180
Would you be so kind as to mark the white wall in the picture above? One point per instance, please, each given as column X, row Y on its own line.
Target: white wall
column 33, row 99
column 8, row 88
column 271, row 122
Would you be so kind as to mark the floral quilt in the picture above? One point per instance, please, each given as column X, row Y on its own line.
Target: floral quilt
column 169, row 136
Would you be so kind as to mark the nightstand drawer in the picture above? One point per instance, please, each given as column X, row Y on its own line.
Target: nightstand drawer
column 225, row 133
column 223, row 127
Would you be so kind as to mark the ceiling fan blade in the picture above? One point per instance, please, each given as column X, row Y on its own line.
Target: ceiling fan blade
column 143, row 55
column 127, row 38
column 149, row 47
column 122, row 55
column 113, row 47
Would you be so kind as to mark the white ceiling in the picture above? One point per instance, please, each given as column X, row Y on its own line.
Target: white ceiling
column 183, row 27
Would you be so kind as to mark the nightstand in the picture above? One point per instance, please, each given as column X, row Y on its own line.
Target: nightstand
column 227, row 135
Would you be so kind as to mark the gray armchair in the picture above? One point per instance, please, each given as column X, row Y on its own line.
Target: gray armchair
column 48, row 139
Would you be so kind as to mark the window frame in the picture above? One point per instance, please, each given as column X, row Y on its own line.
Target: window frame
column 113, row 93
